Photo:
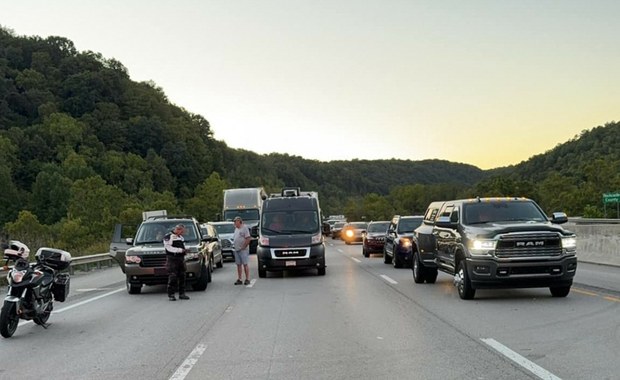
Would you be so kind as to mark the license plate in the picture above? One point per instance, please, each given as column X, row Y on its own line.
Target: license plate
column 290, row 263
column 161, row 271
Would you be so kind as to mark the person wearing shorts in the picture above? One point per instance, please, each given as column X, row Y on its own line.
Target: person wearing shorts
column 241, row 244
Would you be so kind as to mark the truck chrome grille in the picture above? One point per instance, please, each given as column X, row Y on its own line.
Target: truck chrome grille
column 529, row 245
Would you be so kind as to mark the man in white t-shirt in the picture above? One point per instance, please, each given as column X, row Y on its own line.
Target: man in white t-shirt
column 241, row 244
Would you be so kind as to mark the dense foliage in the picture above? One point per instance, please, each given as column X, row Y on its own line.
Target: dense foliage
column 83, row 147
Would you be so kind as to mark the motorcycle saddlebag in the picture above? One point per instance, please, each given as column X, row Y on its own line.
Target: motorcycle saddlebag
column 60, row 288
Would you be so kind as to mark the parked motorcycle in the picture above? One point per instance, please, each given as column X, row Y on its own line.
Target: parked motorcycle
column 33, row 287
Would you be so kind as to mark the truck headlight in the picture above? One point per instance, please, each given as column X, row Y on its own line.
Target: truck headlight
column 569, row 243
column 482, row 247
column 316, row 239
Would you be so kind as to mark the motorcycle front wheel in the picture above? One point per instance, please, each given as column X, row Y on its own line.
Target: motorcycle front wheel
column 8, row 319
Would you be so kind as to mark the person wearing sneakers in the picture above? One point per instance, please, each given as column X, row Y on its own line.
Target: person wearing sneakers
column 241, row 244
column 174, row 245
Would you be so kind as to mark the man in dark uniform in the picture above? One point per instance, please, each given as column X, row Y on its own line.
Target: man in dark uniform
column 175, row 262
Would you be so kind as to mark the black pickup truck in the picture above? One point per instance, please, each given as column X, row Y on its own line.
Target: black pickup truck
column 489, row 243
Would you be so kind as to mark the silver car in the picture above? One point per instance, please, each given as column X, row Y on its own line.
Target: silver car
column 225, row 230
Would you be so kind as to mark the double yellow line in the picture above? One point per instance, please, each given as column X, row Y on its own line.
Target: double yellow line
column 608, row 298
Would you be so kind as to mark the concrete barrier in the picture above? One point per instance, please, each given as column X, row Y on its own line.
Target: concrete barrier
column 597, row 243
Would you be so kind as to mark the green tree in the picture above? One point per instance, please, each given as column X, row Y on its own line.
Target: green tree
column 208, row 198
column 50, row 194
column 27, row 229
column 96, row 204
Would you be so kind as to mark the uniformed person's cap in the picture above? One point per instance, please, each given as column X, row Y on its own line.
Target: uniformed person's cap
column 237, row 218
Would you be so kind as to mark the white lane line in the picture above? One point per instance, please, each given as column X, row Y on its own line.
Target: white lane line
column 339, row 250
column 386, row 278
column 520, row 360
column 189, row 362
column 252, row 282
column 23, row 322
column 87, row 301
column 356, row 260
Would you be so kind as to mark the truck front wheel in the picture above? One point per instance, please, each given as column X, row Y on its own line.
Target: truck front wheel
column 462, row 282
column 560, row 291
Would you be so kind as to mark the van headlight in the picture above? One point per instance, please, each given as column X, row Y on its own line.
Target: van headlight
column 482, row 247
column 318, row 238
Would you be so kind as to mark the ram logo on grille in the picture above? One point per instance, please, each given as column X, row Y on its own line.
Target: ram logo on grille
column 525, row 244
column 289, row 253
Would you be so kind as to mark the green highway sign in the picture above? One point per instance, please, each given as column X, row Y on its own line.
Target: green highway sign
column 611, row 197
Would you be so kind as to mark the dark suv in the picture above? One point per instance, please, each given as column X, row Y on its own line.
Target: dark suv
column 397, row 248
column 488, row 243
column 143, row 258
column 373, row 239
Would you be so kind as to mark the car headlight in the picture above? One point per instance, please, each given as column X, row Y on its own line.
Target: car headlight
column 405, row 243
column 192, row 256
column 482, row 247
column 569, row 243
column 349, row 233
column 133, row 259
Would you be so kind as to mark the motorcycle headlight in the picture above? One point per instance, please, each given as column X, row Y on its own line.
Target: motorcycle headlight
column 17, row 276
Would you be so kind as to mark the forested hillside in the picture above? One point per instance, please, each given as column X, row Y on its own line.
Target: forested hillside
column 83, row 147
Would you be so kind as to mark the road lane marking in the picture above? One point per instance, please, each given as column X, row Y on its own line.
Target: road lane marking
column 520, row 360
column 189, row 362
column 252, row 282
column 584, row 292
column 23, row 322
column 607, row 298
column 87, row 301
column 386, row 278
column 356, row 260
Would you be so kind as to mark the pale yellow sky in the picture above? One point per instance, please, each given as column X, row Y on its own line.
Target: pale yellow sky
column 488, row 83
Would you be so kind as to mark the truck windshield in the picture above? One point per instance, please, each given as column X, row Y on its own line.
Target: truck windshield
column 485, row 212
column 245, row 214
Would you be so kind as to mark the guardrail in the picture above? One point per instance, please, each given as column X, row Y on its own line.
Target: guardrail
column 82, row 262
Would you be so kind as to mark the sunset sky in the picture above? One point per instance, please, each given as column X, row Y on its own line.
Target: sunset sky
column 488, row 83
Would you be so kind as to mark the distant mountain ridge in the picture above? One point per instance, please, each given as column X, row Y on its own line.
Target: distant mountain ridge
column 69, row 116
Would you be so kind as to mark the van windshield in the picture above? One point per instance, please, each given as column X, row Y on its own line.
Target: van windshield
column 290, row 222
